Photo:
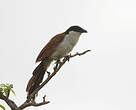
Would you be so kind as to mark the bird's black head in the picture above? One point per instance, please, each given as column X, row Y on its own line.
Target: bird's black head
column 76, row 29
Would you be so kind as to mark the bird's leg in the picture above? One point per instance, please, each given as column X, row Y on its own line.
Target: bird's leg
column 57, row 63
column 67, row 57
column 56, row 59
column 48, row 73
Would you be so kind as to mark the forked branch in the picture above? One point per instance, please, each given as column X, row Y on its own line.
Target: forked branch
column 30, row 102
column 56, row 69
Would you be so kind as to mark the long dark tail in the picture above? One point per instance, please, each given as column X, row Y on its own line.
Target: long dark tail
column 37, row 77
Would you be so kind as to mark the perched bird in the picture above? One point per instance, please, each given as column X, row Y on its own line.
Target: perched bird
column 58, row 47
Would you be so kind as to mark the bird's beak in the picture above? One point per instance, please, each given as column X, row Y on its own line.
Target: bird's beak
column 84, row 31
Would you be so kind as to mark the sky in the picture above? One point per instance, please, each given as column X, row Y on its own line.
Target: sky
column 103, row 79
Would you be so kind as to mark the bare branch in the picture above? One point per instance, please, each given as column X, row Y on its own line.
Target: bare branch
column 79, row 54
column 56, row 69
column 11, row 103
column 29, row 102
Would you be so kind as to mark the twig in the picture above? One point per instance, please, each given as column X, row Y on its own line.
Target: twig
column 79, row 54
column 56, row 69
column 8, row 93
column 28, row 102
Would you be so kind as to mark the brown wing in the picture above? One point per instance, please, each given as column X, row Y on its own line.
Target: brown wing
column 48, row 50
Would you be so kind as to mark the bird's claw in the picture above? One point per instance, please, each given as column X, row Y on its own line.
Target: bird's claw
column 67, row 57
column 58, row 62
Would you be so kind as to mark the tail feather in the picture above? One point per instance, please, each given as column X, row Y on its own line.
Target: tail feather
column 37, row 77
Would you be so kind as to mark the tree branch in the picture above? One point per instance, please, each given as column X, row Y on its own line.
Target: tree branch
column 11, row 103
column 30, row 102
column 56, row 69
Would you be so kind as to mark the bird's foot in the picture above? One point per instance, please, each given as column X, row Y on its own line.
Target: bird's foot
column 49, row 73
column 67, row 57
column 58, row 62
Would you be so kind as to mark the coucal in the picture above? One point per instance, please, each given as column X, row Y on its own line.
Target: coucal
column 57, row 48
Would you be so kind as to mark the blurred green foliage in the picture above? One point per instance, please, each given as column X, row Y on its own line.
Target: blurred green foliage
column 5, row 90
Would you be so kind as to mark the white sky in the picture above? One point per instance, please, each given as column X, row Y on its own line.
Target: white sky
column 103, row 79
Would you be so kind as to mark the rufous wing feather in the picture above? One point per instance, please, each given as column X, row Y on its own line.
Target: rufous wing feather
column 48, row 50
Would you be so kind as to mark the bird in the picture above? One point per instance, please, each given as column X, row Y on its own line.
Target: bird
column 58, row 47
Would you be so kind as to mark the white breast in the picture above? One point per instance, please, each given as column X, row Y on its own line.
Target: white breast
column 67, row 44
